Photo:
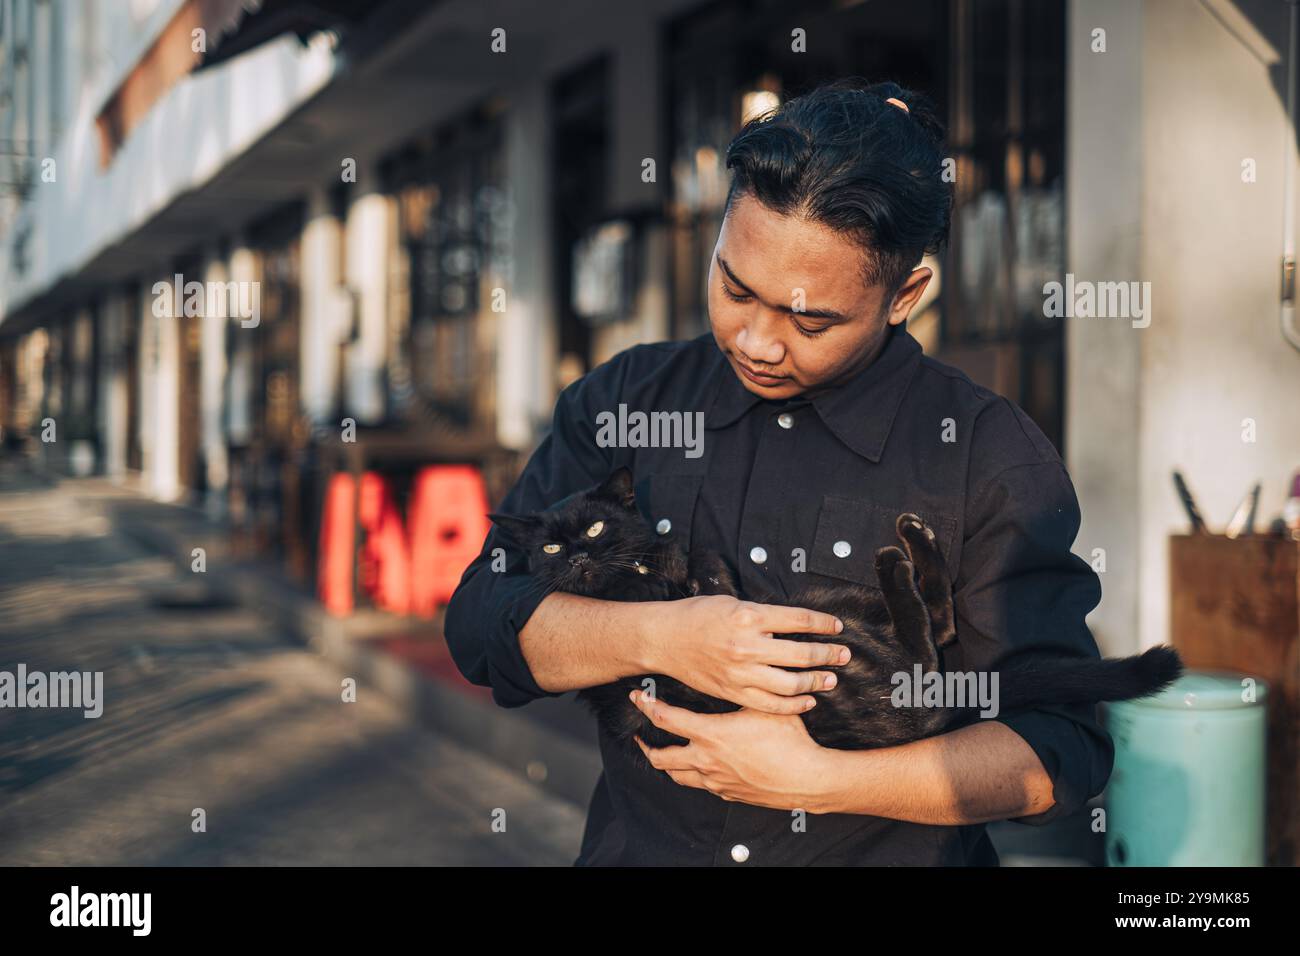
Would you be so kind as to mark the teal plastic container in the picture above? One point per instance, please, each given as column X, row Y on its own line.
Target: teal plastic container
column 1188, row 783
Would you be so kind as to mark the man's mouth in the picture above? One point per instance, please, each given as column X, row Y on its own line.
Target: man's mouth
column 759, row 378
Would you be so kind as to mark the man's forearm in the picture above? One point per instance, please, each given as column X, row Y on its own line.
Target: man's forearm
column 571, row 642
column 976, row 774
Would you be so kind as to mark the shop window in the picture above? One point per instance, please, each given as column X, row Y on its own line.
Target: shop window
column 454, row 236
column 1007, row 134
column 580, row 139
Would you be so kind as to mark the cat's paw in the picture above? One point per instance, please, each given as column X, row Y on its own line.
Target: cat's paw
column 908, row 522
column 887, row 561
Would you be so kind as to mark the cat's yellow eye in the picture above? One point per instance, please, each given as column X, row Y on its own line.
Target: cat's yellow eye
column 595, row 529
column 551, row 548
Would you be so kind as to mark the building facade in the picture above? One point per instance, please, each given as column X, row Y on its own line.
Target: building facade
column 424, row 219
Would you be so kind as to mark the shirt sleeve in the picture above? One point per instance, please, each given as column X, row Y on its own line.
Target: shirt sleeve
column 491, row 605
column 1022, row 589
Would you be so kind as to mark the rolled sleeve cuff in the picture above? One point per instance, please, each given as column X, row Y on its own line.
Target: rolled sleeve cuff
column 512, row 681
column 1077, row 758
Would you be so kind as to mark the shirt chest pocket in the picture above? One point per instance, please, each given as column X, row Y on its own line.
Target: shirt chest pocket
column 851, row 530
column 667, row 502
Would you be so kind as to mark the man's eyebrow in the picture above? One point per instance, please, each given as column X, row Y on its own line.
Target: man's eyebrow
column 814, row 313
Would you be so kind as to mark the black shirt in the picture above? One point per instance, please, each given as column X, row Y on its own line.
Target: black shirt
column 779, row 489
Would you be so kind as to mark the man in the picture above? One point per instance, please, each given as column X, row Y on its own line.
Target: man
column 823, row 421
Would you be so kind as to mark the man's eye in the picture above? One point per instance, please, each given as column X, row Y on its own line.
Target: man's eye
column 734, row 296
column 551, row 548
column 595, row 529
column 810, row 333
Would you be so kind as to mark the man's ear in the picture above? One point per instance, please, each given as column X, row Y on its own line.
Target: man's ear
column 909, row 294
column 618, row 487
column 518, row 530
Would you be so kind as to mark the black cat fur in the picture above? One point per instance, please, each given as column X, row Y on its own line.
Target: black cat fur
column 888, row 631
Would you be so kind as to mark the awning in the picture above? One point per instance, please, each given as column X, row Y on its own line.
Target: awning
column 235, row 26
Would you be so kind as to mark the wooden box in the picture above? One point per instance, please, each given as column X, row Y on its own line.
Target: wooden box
column 1235, row 606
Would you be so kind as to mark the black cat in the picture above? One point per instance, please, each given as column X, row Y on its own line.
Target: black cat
column 597, row 544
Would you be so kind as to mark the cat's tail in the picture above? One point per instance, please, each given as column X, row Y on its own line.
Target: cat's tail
column 1036, row 683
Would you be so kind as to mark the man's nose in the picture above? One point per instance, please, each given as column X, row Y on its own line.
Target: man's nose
column 760, row 345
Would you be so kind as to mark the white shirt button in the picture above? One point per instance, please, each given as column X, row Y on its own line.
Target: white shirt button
column 842, row 549
column 785, row 420
column 740, row 853
column 664, row 526
column 757, row 555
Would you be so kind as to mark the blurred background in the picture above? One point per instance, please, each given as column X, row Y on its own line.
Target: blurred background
column 447, row 211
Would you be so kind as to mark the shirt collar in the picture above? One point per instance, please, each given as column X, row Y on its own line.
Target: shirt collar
column 859, row 412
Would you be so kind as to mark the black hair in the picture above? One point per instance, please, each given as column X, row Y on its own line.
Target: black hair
column 843, row 156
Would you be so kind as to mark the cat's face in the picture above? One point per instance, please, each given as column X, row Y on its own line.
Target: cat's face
column 588, row 546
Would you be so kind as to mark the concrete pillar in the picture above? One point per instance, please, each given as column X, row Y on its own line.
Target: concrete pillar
column 80, row 341
column 212, row 378
column 324, row 307
column 1220, row 384
column 35, row 352
column 366, row 235
column 19, row 26
column 147, row 337
column 528, row 342
column 241, row 380
column 112, row 401
column 1160, row 125
column 1103, row 242
column 42, row 86
column 160, row 394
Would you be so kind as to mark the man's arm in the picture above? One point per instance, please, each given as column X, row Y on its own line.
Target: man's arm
column 979, row 773
column 571, row 642
column 717, row 644
column 1021, row 589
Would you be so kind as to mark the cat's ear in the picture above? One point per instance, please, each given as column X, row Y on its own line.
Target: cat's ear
column 618, row 487
column 518, row 530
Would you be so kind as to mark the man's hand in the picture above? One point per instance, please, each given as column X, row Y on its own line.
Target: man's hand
column 976, row 774
column 764, row 760
column 725, row 648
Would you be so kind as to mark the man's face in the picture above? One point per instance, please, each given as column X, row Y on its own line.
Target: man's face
column 759, row 263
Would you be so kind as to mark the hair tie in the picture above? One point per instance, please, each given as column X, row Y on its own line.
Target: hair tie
column 899, row 103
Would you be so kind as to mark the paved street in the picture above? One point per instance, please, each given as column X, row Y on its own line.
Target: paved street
column 206, row 707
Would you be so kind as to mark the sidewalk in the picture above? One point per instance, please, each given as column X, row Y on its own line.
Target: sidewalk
column 552, row 744
column 407, row 658
column 207, row 711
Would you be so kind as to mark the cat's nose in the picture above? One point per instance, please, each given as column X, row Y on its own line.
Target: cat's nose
column 578, row 559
